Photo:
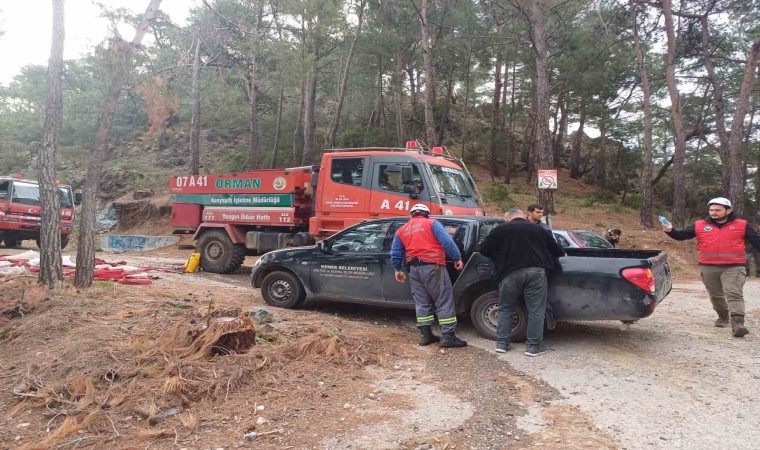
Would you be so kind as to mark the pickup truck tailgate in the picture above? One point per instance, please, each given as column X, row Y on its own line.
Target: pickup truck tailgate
column 662, row 279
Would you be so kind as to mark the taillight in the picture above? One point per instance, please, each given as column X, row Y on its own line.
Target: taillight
column 640, row 277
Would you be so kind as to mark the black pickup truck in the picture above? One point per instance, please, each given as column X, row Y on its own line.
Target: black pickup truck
column 354, row 266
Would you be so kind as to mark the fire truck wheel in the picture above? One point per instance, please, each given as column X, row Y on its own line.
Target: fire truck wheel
column 483, row 315
column 64, row 241
column 218, row 253
column 282, row 289
column 11, row 242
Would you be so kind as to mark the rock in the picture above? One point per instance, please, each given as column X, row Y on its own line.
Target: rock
column 260, row 315
column 163, row 415
column 347, row 406
column 260, row 408
column 261, row 421
column 142, row 193
column 179, row 304
column 250, row 436
column 372, row 396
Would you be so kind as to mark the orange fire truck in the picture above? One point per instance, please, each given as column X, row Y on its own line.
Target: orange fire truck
column 252, row 212
column 20, row 210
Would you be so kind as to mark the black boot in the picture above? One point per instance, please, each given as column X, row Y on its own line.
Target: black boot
column 449, row 340
column 427, row 337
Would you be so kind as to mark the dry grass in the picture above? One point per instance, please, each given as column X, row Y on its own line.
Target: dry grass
column 101, row 360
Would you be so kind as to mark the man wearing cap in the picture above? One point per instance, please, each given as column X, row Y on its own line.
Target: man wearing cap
column 422, row 245
column 721, row 245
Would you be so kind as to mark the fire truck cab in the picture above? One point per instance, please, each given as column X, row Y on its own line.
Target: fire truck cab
column 20, row 211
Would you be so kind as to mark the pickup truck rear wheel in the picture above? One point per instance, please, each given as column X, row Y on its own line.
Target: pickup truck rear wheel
column 483, row 315
column 218, row 253
column 282, row 289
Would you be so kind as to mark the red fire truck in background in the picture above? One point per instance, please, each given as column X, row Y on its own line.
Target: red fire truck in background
column 20, row 211
column 252, row 212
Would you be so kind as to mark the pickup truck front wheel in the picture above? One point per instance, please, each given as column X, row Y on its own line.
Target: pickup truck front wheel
column 483, row 315
column 282, row 289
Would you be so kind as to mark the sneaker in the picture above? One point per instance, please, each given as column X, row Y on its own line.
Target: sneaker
column 502, row 347
column 535, row 350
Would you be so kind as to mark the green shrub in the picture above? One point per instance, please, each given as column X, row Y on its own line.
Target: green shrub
column 633, row 201
column 499, row 194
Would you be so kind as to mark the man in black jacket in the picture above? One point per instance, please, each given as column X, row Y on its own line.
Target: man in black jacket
column 522, row 253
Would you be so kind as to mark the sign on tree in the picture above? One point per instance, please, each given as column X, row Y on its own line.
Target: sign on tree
column 547, row 179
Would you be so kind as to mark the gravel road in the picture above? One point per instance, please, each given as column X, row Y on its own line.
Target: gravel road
column 670, row 381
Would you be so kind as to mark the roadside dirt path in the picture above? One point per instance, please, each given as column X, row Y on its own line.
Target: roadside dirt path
column 671, row 381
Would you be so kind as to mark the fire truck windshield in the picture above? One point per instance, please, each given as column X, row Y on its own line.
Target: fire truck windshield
column 450, row 182
column 29, row 194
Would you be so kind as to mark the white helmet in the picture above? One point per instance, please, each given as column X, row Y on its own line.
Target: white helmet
column 720, row 201
column 419, row 207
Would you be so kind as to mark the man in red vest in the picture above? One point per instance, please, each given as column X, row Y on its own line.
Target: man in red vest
column 422, row 244
column 721, row 245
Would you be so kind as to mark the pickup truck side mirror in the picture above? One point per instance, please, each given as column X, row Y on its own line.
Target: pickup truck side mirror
column 77, row 198
column 324, row 246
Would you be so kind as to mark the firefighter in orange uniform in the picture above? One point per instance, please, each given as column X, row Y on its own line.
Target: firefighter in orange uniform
column 422, row 245
column 721, row 245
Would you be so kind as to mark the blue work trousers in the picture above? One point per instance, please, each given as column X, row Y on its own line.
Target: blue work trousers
column 433, row 296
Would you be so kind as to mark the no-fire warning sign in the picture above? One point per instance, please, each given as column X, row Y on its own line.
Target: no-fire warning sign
column 547, row 179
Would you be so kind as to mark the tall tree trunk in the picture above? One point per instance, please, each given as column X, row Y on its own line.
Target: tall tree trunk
column 298, row 132
column 736, row 191
column 468, row 70
column 398, row 90
column 645, row 214
column 542, row 146
column 427, row 49
column 309, row 121
column 195, row 119
column 601, row 165
column 511, row 130
column 254, row 140
column 503, row 110
column 278, row 127
column 343, row 89
column 446, row 105
column 575, row 154
column 495, row 120
column 121, row 55
column 51, row 270
column 679, row 155
column 718, row 105
column 529, row 136
column 414, row 91
column 559, row 139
